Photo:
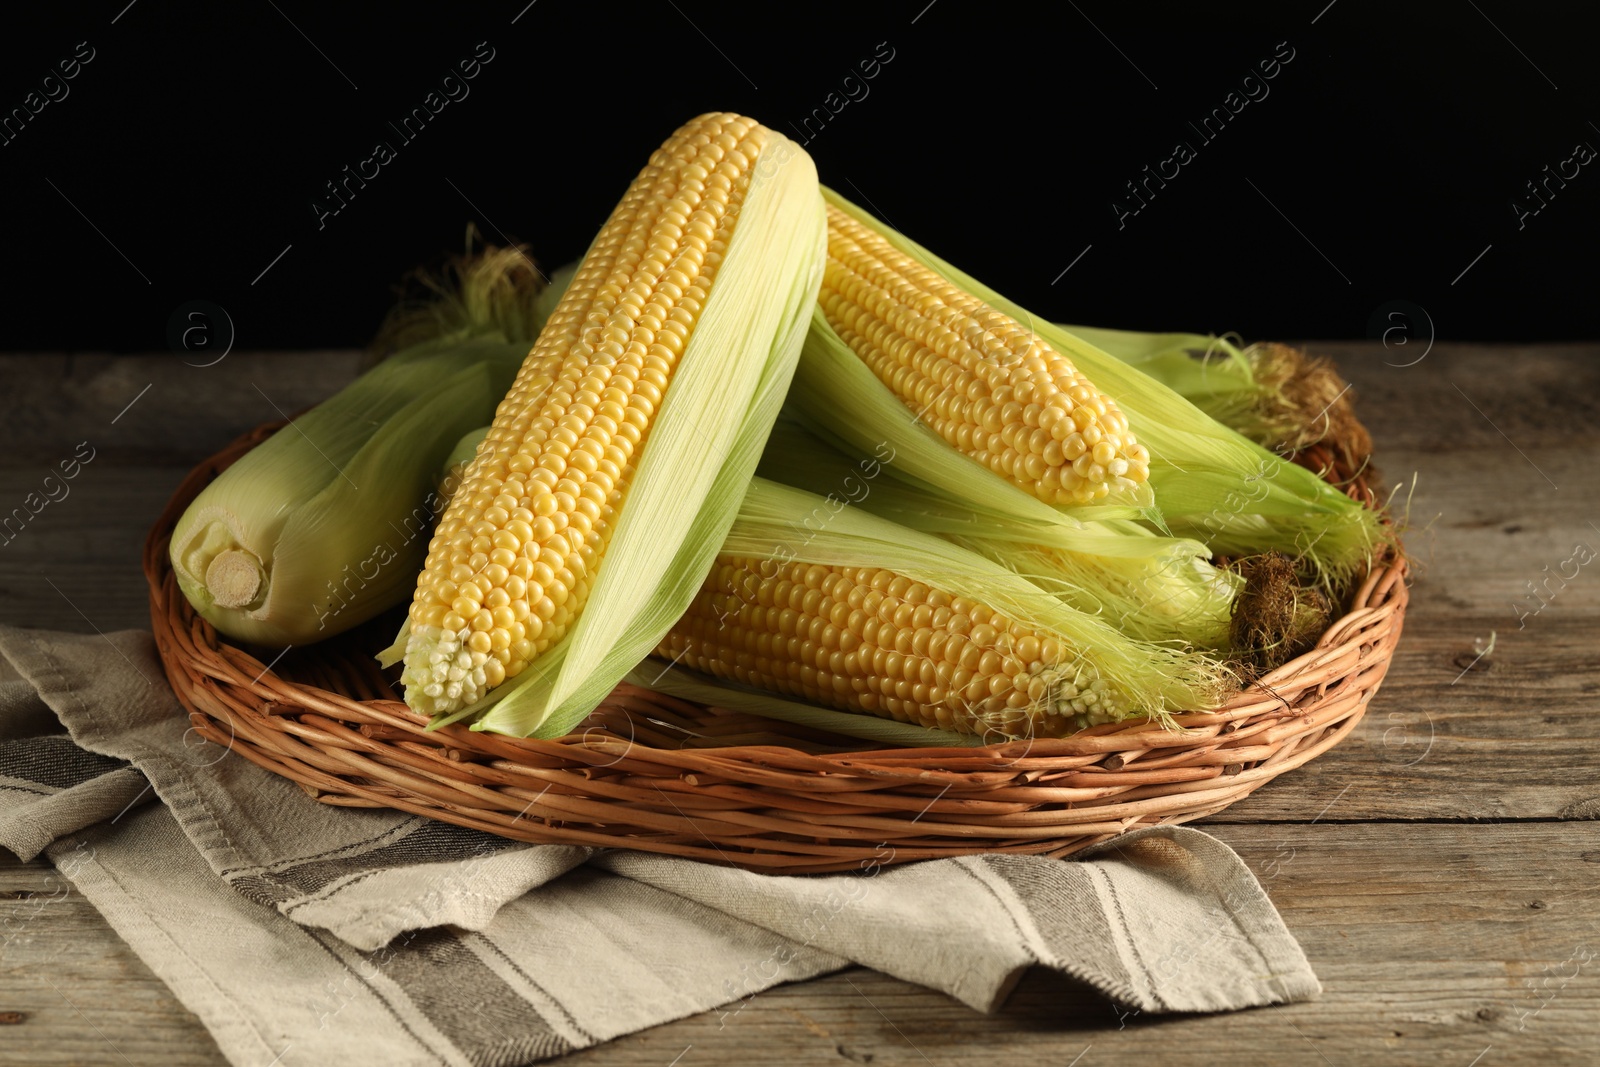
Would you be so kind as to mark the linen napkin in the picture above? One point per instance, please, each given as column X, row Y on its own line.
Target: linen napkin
column 318, row 934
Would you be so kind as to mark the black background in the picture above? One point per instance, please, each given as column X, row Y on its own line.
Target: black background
column 1383, row 163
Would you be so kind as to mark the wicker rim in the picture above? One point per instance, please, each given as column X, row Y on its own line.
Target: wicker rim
column 654, row 773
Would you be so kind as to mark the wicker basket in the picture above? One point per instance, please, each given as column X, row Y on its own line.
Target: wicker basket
column 650, row 772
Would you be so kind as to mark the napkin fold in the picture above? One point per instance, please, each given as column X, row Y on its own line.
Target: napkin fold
column 321, row 934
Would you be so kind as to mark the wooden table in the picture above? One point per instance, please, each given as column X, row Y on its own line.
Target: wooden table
column 1441, row 867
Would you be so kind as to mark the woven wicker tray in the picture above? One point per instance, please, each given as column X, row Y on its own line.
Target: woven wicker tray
column 650, row 772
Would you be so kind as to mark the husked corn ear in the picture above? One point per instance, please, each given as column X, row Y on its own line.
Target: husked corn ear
column 867, row 639
column 987, row 385
column 1150, row 587
column 1194, row 461
column 514, row 558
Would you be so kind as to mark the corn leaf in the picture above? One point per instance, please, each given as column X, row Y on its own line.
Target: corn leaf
column 780, row 522
column 714, row 692
column 1209, row 481
column 703, row 447
column 1151, row 587
column 326, row 522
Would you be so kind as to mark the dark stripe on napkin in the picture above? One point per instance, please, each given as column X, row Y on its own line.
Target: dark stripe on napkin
column 470, row 1004
column 54, row 761
column 428, row 842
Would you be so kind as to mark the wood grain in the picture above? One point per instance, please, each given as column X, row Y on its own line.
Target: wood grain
column 52, row 402
column 1440, row 867
column 1432, row 943
column 77, row 993
column 1484, row 524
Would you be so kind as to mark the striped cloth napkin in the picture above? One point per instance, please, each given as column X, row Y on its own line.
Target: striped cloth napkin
column 306, row 934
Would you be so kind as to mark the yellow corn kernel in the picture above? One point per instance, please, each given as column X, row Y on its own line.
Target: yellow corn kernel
column 529, row 524
column 904, row 651
column 983, row 382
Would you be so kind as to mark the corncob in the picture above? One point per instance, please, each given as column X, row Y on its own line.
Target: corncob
column 863, row 615
column 324, row 525
column 1150, row 587
column 868, row 639
column 597, row 420
column 986, row 384
column 1209, row 482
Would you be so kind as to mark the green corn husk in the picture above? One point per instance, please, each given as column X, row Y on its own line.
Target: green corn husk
column 1210, row 482
column 1150, row 587
column 712, row 424
column 780, row 522
column 1277, row 396
column 1210, row 372
column 836, row 393
column 685, row 684
column 689, row 685
column 455, row 464
column 560, row 278
column 325, row 524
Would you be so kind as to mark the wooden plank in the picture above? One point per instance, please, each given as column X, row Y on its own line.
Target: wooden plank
column 1452, row 736
column 1443, row 741
column 72, row 992
column 53, row 402
column 1433, row 941
column 1437, row 743
column 82, row 553
column 1516, row 737
column 1538, row 396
